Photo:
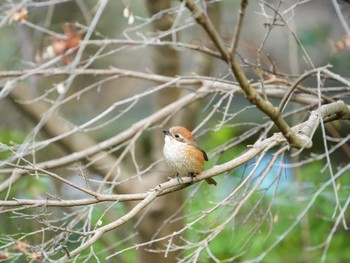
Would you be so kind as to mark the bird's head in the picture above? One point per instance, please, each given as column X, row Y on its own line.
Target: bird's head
column 180, row 134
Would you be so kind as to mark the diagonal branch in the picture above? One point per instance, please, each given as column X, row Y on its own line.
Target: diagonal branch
column 304, row 130
column 230, row 58
column 127, row 134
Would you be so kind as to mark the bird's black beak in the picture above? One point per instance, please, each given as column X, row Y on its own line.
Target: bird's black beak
column 166, row 132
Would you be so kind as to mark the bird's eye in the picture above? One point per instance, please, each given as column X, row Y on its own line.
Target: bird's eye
column 177, row 136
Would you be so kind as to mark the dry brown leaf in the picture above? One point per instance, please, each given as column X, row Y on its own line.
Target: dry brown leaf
column 19, row 15
column 72, row 39
column 342, row 44
column 4, row 255
column 20, row 246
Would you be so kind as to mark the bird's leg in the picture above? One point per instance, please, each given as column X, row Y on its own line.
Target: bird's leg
column 179, row 180
column 192, row 175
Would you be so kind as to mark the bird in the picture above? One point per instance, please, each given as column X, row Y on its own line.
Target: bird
column 183, row 154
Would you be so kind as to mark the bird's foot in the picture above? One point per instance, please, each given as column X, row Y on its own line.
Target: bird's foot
column 192, row 175
column 178, row 178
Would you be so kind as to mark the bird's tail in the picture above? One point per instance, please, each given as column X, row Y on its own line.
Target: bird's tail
column 210, row 181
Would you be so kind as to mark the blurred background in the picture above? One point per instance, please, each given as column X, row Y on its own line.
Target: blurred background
column 75, row 73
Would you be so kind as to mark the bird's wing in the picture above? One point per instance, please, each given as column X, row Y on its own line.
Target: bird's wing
column 205, row 155
column 195, row 144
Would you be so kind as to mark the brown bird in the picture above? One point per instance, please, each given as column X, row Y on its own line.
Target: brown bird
column 183, row 154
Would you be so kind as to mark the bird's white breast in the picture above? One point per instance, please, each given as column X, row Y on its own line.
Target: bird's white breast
column 176, row 156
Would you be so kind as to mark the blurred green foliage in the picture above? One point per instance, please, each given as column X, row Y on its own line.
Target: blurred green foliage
column 270, row 216
column 8, row 49
column 314, row 36
column 9, row 138
column 260, row 222
column 243, row 237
